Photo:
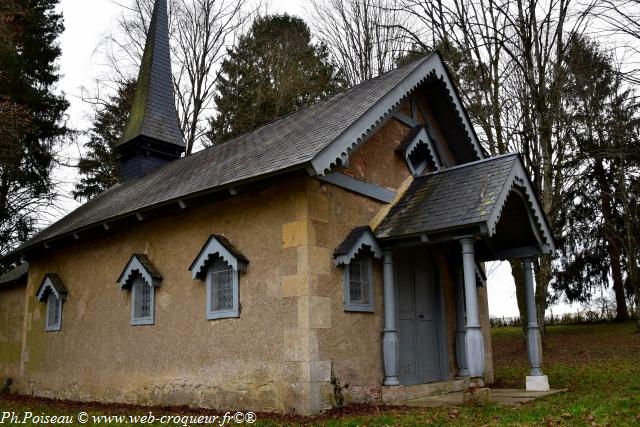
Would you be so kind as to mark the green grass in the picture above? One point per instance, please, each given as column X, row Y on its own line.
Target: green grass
column 599, row 365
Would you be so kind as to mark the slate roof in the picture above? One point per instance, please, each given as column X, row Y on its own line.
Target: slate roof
column 351, row 239
column 56, row 282
column 309, row 139
column 153, row 112
column 16, row 274
column 452, row 198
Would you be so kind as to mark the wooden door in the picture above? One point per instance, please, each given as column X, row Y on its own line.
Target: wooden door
column 419, row 319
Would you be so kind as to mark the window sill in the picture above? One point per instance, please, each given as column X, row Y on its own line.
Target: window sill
column 222, row 315
column 142, row 322
column 359, row 308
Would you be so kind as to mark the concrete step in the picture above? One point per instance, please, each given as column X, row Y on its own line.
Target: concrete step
column 402, row 393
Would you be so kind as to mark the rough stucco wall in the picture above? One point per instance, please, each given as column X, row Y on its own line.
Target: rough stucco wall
column 292, row 333
column 353, row 343
column 376, row 161
column 183, row 359
column 12, row 298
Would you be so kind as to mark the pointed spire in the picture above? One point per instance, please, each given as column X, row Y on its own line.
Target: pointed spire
column 154, row 114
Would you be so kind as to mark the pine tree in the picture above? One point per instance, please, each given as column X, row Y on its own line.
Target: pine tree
column 99, row 167
column 600, row 113
column 31, row 114
column 272, row 71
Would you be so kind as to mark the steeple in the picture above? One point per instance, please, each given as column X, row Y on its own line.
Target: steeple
column 152, row 136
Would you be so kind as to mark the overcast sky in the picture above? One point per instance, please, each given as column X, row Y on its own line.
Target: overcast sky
column 86, row 24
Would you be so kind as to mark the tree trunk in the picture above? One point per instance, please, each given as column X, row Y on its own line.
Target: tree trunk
column 636, row 287
column 631, row 249
column 518, row 278
column 613, row 248
column 622, row 314
column 543, row 277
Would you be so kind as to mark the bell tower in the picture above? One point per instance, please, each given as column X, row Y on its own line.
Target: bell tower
column 152, row 137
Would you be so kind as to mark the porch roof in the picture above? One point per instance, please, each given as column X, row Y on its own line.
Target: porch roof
column 468, row 199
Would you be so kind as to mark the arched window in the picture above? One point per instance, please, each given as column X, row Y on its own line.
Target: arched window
column 142, row 302
column 218, row 264
column 54, row 313
column 54, row 293
column 359, row 280
column 141, row 276
column 222, row 290
column 356, row 255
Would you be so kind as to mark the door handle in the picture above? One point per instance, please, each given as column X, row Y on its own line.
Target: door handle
column 421, row 316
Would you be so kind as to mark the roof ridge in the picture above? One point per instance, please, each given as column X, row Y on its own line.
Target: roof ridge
column 284, row 144
column 264, row 125
column 464, row 165
column 335, row 95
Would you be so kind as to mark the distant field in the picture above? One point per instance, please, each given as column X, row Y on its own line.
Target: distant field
column 599, row 365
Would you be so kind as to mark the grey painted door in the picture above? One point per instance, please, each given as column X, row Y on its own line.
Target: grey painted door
column 418, row 316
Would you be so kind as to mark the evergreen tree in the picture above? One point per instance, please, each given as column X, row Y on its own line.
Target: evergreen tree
column 31, row 114
column 272, row 71
column 99, row 167
column 598, row 112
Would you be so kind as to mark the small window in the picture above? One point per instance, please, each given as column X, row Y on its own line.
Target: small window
column 222, row 290
column 142, row 302
column 142, row 278
column 358, row 283
column 53, row 293
column 54, row 312
column 218, row 265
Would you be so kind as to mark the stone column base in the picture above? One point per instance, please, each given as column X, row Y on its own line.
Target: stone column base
column 537, row 383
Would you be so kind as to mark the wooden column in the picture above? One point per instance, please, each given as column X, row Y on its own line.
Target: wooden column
column 390, row 338
column 536, row 380
column 533, row 331
column 474, row 340
column 461, row 329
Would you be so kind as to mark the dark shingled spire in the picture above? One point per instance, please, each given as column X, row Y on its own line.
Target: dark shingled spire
column 154, row 111
column 152, row 136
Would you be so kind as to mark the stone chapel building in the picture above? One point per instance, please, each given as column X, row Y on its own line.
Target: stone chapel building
column 343, row 241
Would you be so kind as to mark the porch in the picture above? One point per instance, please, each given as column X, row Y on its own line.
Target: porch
column 499, row 396
column 469, row 214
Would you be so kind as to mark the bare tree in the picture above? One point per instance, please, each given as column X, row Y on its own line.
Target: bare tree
column 535, row 42
column 200, row 32
column 471, row 27
column 517, row 48
column 622, row 17
column 363, row 36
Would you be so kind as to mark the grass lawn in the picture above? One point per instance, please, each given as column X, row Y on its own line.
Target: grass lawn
column 598, row 364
